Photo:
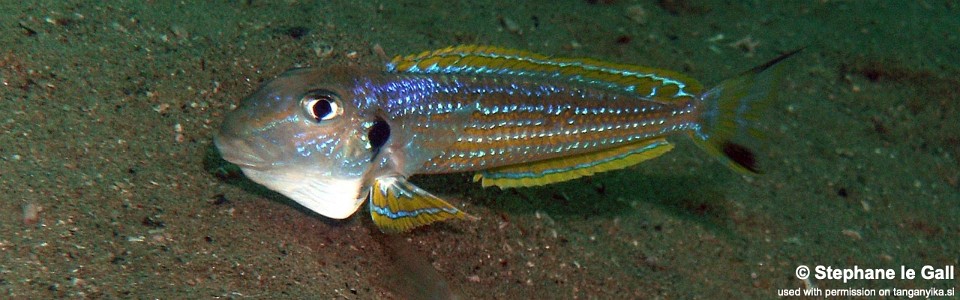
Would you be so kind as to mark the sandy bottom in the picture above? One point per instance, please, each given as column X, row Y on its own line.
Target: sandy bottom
column 110, row 185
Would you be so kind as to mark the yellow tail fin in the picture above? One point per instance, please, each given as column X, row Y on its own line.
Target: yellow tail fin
column 729, row 112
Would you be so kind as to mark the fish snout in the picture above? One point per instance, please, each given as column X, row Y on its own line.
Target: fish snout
column 243, row 152
column 241, row 141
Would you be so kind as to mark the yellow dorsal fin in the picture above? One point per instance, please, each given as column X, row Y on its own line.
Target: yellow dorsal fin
column 572, row 167
column 397, row 206
column 646, row 82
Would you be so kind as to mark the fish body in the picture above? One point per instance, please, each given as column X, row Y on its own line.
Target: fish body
column 332, row 138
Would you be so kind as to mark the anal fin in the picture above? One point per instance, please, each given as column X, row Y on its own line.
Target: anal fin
column 397, row 205
column 572, row 167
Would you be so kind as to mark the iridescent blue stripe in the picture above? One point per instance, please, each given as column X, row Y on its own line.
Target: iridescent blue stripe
column 386, row 212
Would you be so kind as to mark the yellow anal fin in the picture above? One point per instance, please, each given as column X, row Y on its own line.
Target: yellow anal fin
column 663, row 85
column 397, row 206
column 572, row 167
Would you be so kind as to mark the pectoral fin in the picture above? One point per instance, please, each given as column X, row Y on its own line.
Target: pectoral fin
column 396, row 205
column 572, row 167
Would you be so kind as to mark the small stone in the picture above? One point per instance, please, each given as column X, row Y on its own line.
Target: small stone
column 179, row 32
column 637, row 14
column 322, row 50
column 161, row 108
column 852, row 234
column 382, row 54
column 31, row 213
column 747, row 44
column 510, row 25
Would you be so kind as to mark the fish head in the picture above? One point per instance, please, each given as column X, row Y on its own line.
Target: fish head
column 304, row 135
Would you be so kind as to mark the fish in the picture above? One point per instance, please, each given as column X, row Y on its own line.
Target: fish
column 333, row 138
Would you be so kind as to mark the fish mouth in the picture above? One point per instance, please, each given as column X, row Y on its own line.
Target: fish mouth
column 242, row 153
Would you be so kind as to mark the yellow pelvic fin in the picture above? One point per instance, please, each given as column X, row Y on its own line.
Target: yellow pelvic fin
column 396, row 205
column 572, row 167
column 653, row 83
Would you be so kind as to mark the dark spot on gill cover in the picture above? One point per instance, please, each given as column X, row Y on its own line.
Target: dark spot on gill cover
column 378, row 136
column 741, row 156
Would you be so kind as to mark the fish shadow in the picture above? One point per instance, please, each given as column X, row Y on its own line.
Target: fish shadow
column 691, row 197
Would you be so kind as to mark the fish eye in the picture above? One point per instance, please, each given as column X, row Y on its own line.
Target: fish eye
column 321, row 105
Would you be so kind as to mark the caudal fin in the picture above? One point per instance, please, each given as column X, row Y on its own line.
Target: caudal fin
column 729, row 113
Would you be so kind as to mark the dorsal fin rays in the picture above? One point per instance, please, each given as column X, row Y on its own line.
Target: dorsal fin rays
column 484, row 60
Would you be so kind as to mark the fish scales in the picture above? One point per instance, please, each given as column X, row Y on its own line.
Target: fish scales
column 513, row 121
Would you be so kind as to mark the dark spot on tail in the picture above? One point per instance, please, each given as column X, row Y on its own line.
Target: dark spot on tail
column 741, row 156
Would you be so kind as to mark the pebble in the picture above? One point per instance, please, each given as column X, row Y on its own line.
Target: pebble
column 852, row 234
column 322, row 50
column 510, row 25
column 179, row 31
column 31, row 213
column 637, row 14
column 178, row 136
